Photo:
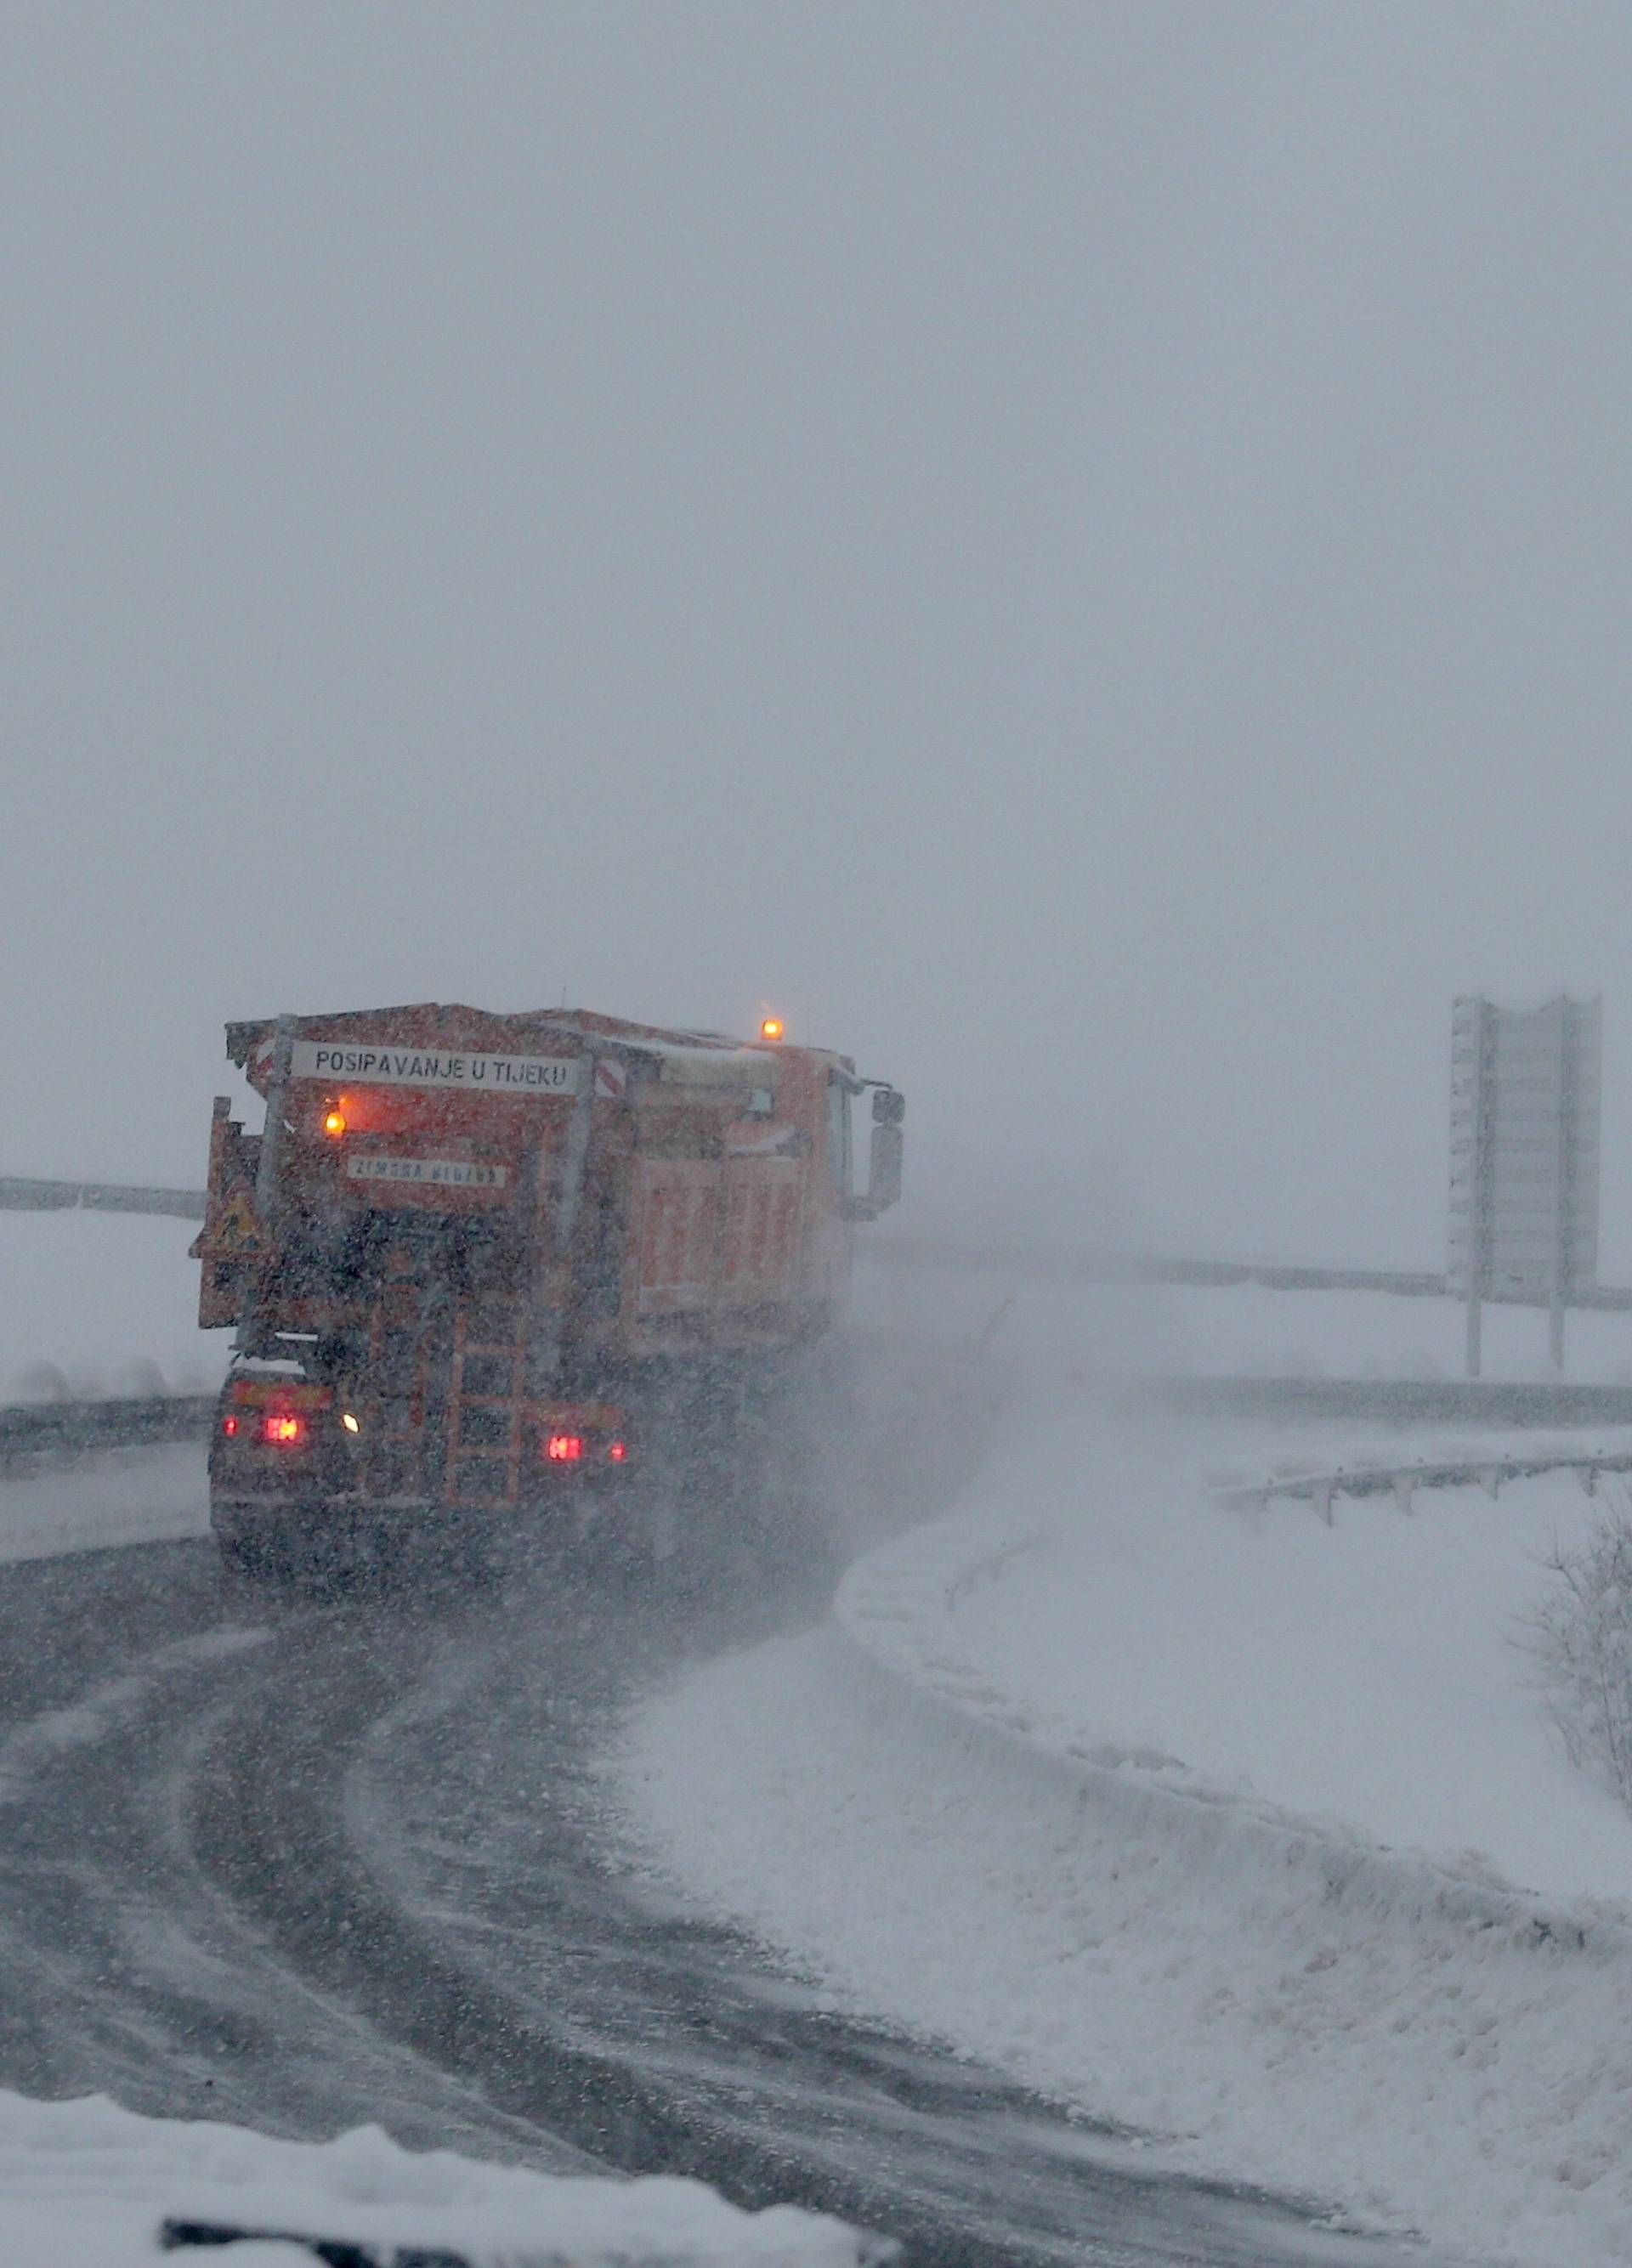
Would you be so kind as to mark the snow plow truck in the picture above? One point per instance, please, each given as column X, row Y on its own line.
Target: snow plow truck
column 497, row 1276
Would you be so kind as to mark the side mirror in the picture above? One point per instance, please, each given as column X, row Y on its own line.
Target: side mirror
column 889, row 1106
column 883, row 1179
column 884, row 1176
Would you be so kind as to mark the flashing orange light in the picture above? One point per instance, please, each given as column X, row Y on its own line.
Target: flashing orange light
column 334, row 1122
column 283, row 1427
column 563, row 1448
column 617, row 1451
column 771, row 1028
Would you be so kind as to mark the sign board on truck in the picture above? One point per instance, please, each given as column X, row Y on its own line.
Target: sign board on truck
column 475, row 1071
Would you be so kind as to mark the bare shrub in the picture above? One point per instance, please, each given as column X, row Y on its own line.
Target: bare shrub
column 1581, row 1637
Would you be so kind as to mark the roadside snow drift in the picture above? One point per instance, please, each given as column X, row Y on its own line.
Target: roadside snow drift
column 93, row 1304
column 1240, row 1828
column 1370, row 1676
column 94, row 1503
column 92, row 2185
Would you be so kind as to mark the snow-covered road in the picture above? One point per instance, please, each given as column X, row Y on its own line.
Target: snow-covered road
column 355, row 1869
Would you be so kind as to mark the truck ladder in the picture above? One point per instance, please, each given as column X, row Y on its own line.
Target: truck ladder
column 485, row 1432
column 400, row 1347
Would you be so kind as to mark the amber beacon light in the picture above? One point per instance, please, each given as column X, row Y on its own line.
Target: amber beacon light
column 771, row 1028
column 334, row 1122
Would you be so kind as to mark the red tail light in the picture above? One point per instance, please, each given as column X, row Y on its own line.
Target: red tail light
column 283, row 1427
column 563, row 1448
column 617, row 1451
column 229, row 1426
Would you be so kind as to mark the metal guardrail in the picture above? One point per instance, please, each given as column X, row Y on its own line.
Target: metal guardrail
column 1392, row 1402
column 24, row 1193
column 1107, row 1267
column 1064, row 1265
column 1364, row 1479
column 32, row 1429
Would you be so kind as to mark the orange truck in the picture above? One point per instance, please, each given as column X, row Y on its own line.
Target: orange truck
column 534, row 1273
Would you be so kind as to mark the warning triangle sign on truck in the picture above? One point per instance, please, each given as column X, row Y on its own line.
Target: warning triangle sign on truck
column 236, row 1232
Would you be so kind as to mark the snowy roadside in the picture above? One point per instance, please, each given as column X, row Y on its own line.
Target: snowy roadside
column 94, row 1304
column 90, row 2183
column 1238, row 1828
column 1368, row 1675
column 99, row 1503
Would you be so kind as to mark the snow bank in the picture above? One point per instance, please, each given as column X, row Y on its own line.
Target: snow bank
column 92, row 1304
column 107, row 1302
column 94, row 1503
column 1236, row 1827
column 1369, row 1675
column 89, row 2183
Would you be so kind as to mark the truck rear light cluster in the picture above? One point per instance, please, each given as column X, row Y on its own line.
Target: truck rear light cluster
column 284, row 1428
column 573, row 1450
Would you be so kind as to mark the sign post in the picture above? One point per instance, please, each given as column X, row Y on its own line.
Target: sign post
column 1526, row 1090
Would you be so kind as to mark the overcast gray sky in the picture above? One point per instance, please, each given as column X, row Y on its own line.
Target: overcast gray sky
column 1080, row 552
